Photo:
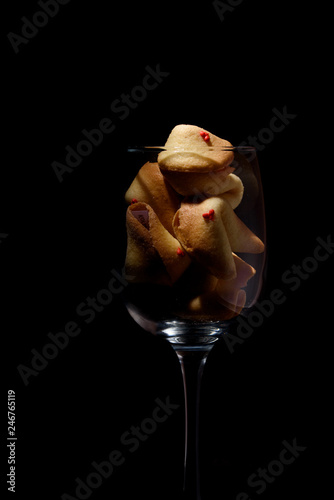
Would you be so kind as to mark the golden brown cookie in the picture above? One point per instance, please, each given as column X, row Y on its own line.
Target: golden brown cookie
column 203, row 235
column 153, row 254
column 227, row 299
column 192, row 149
column 210, row 231
column 229, row 292
column 151, row 187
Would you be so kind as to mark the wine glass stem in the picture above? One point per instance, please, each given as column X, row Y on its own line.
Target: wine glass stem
column 192, row 365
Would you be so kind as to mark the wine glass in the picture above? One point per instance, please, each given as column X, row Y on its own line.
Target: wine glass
column 194, row 263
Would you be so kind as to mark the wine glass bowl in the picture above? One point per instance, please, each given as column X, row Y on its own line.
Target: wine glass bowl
column 197, row 308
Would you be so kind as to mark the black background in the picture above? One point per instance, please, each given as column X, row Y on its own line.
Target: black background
column 64, row 238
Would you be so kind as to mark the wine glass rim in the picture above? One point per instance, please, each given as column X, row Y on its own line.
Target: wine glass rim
column 160, row 149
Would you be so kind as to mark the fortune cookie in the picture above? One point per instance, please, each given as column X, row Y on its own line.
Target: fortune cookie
column 150, row 186
column 228, row 298
column 192, row 149
column 153, row 254
column 210, row 231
